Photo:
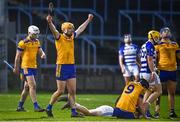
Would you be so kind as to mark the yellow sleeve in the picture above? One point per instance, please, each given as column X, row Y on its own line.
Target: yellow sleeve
column 21, row 46
column 157, row 48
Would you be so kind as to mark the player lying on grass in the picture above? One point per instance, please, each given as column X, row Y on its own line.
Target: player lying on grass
column 125, row 106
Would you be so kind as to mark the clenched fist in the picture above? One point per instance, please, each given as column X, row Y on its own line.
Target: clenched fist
column 49, row 19
column 90, row 17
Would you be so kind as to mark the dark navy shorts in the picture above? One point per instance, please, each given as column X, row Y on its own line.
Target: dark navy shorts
column 167, row 75
column 65, row 71
column 123, row 114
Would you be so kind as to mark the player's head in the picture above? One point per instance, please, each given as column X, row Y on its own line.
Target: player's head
column 33, row 31
column 144, row 83
column 154, row 36
column 67, row 28
column 127, row 38
column 165, row 32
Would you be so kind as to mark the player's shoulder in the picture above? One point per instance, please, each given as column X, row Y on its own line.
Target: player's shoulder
column 149, row 44
column 22, row 42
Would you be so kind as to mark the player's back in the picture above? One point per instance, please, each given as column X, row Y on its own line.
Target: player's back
column 129, row 97
column 166, row 50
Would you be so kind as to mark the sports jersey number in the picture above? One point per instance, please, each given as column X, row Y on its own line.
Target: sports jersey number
column 129, row 89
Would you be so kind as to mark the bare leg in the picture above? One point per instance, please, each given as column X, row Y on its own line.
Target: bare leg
column 127, row 80
column 155, row 94
column 171, row 88
column 23, row 97
column 82, row 109
column 157, row 103
column 146, row 95
column 60, row 90
column 32, row 88
column 25, row 92
column 71, row 87
column 136, row 78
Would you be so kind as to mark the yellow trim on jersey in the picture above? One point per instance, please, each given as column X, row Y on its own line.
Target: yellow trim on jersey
column 58, row 70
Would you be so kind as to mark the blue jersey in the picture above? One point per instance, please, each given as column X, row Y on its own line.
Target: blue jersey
column 147, row 49
column 129, row 53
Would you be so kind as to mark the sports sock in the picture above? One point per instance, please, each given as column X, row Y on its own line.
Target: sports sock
column 172, row 110
column 73, row 111
column 49, row 107
column 36, row 105
column 21, row 103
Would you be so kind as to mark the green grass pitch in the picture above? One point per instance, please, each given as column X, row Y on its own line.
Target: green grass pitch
column 9, row 101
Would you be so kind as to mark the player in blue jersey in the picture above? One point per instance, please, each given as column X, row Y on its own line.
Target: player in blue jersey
column 148, row 69
column 128, row 55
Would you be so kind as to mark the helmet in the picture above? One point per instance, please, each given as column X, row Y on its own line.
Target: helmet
column 167, row 32
column 154, row 35
column 144, row 83
column 164, row 29
column 127, row 38
column 33, row 29
column 67, row 25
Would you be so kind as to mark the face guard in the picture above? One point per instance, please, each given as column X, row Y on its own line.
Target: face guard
column 165, row 32
column 33, row 31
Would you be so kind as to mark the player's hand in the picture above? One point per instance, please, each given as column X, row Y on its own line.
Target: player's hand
column 90, row 17
column 16, row 70
column 49, row 18
column 43, row 56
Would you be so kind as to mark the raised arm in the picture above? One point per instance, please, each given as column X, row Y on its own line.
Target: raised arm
column 83, row 26
column 53, row 29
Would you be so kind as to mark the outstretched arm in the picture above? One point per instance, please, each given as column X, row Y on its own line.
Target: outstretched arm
column 82, row 27
column 53, row 29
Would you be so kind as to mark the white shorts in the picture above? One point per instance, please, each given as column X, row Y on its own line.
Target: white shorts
column 131, row 70
column 103, row 110
column 147, row 77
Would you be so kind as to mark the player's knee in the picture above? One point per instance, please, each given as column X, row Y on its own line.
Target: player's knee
column 60, row 91
column 32, row 86
column 72, row 92
column 172, row 93
column 26, row 88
